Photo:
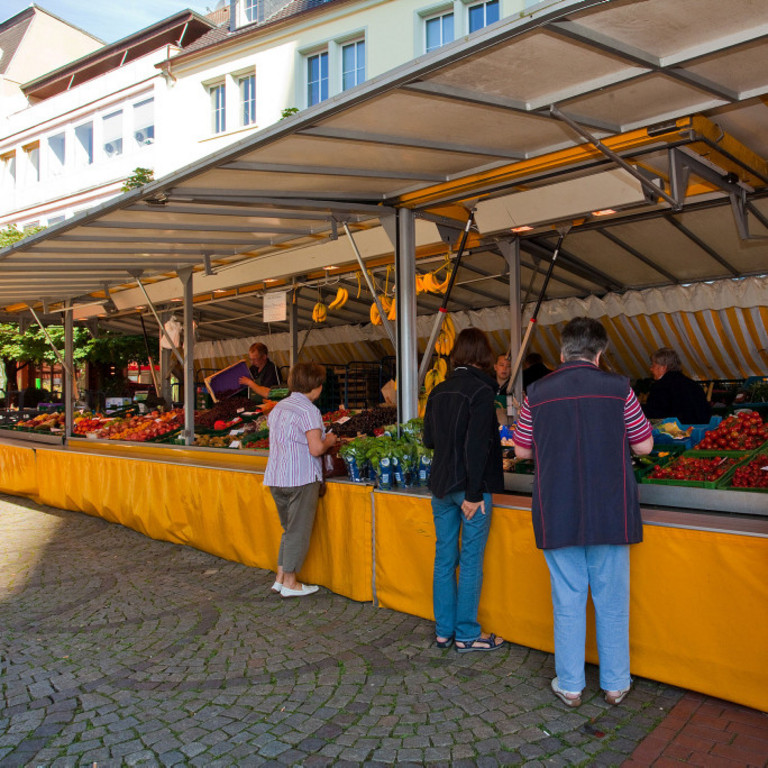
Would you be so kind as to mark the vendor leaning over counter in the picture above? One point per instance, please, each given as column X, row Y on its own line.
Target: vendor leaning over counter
column 673, row 394
column 264, row 373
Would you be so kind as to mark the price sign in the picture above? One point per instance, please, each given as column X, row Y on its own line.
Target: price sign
column 275, row 306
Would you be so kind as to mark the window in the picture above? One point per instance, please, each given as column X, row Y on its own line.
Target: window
column 32, row 155
column 8, row 170
column 483, row 14
column 84, row 144
column 248, row 99
column 57, row 154
column 352, row 64
column 317, row 78
column 439, row 31
column 112, row 127
column 219, row 107
column 252, row 10
column 144, row 122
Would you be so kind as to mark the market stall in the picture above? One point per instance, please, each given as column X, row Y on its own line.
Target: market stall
column 674, row 100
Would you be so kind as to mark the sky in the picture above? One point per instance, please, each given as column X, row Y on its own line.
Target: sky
column 109, row 20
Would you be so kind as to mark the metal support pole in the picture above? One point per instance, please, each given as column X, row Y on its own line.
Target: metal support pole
column 55, row 349
column 69, row 357
column 427, row 356
column 646, row 183
column 185, row 275
column 407, row 351
column 293, row 329
column 371, row 288
column 511, row 253
column 157, row 317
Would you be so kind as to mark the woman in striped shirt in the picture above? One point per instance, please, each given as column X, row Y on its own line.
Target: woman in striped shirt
column 294, row 473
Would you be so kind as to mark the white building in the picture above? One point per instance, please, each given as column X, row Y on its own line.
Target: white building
column 187, row 86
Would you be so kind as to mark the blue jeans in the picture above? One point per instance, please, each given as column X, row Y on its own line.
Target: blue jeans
column 605, row 570
column 456, row 604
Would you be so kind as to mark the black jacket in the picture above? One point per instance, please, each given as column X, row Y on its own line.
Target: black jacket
column 460, row 424
column 674, row 394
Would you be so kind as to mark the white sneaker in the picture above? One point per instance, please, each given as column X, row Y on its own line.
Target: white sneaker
column 277, row 587
column 306, row 589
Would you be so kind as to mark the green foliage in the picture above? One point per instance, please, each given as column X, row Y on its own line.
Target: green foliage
column 13, row 234
column 288, row 111
column 119, row 350
column 138, row 178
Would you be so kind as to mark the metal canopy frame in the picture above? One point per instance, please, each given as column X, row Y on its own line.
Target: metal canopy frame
column 683, row 74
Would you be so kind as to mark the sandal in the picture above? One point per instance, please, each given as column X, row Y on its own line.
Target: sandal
column 569, row 698
column 616, row 697
column 481, row 644
column 447, row 643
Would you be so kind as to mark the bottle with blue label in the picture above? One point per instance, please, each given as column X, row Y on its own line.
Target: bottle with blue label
column 385, row 474
column 425, row 466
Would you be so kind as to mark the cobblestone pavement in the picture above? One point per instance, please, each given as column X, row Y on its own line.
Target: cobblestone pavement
column 118, row 650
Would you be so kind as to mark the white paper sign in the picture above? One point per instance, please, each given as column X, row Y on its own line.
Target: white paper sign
column 275, row 306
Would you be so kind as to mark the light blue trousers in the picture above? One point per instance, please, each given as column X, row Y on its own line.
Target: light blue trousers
column 603, row 569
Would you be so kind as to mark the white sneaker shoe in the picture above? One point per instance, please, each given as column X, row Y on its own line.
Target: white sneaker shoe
column 306, row 589
column 277, row 587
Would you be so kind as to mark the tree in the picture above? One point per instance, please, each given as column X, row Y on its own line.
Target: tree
column 13, row 234
column 137, row 179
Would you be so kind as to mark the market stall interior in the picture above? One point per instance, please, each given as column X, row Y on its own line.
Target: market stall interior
column 641, row 126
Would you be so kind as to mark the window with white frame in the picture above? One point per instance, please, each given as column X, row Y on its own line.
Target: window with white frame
column 144, row 122
column 218, row 107
column 352, row 64
column 247, row 87
column 251, row 8
column 32, row 163
column 317, row 78
column 8, row 170
column 57, row 154
column 438, row 30
column 84, row 144
column 482, row 14
column 112, row 133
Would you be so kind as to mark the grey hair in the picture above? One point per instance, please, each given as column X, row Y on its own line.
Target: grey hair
column 667, row 357
column 582, row 339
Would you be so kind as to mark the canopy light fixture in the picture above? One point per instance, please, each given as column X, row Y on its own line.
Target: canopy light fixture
column 177, row 300
column 524, row 228
column 328, row 268
column 270, row 280
column 604, row 212
column 219, row 290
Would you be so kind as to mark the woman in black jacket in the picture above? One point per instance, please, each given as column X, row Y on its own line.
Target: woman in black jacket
column 460, row 424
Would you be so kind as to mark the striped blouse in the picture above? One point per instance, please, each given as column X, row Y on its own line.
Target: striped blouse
column 290, row 463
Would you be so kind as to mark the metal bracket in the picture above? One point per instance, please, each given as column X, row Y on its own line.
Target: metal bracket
column 207, row 264
column 70, row 370
column 682, row 165
column 651, row 189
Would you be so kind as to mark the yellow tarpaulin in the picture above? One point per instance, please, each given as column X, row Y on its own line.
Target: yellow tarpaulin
column 699, row 599
column 18, row 471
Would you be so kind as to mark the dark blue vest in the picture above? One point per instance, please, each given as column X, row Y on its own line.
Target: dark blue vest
column 584, row 488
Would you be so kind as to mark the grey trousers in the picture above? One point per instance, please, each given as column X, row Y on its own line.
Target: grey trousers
column 296, row 507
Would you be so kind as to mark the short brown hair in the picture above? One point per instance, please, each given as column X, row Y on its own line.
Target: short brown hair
column 667, row 357
column 257, row 346
column 473, row 348
column 304, row 377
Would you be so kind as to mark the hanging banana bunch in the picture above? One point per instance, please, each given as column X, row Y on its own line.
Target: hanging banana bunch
column 446, row 337
column 342, row 296
column 319, row 311
column 386, row 305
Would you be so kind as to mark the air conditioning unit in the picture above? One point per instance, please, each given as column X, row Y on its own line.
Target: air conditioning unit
column 142, row 138
column 110, row 149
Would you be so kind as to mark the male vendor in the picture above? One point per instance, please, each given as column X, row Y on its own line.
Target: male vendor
column 264, row 373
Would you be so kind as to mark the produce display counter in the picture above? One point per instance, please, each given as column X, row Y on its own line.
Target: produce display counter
column 699, row 582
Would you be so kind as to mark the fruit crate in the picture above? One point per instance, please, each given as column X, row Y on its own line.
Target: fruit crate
column 660, row 457
column 726, row 484
column 697, row 432
column 717, row 483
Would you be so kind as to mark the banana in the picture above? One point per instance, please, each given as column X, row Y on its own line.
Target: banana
column 420, row 284
column 449, row 327
column 375, row 315
column 342, row 295
column 443, row 287
column 386, row 302
column 428, row 281
column 319, row 312
column 441, row 366
column 443, row 344
column 430, row 380
column 392, row 314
